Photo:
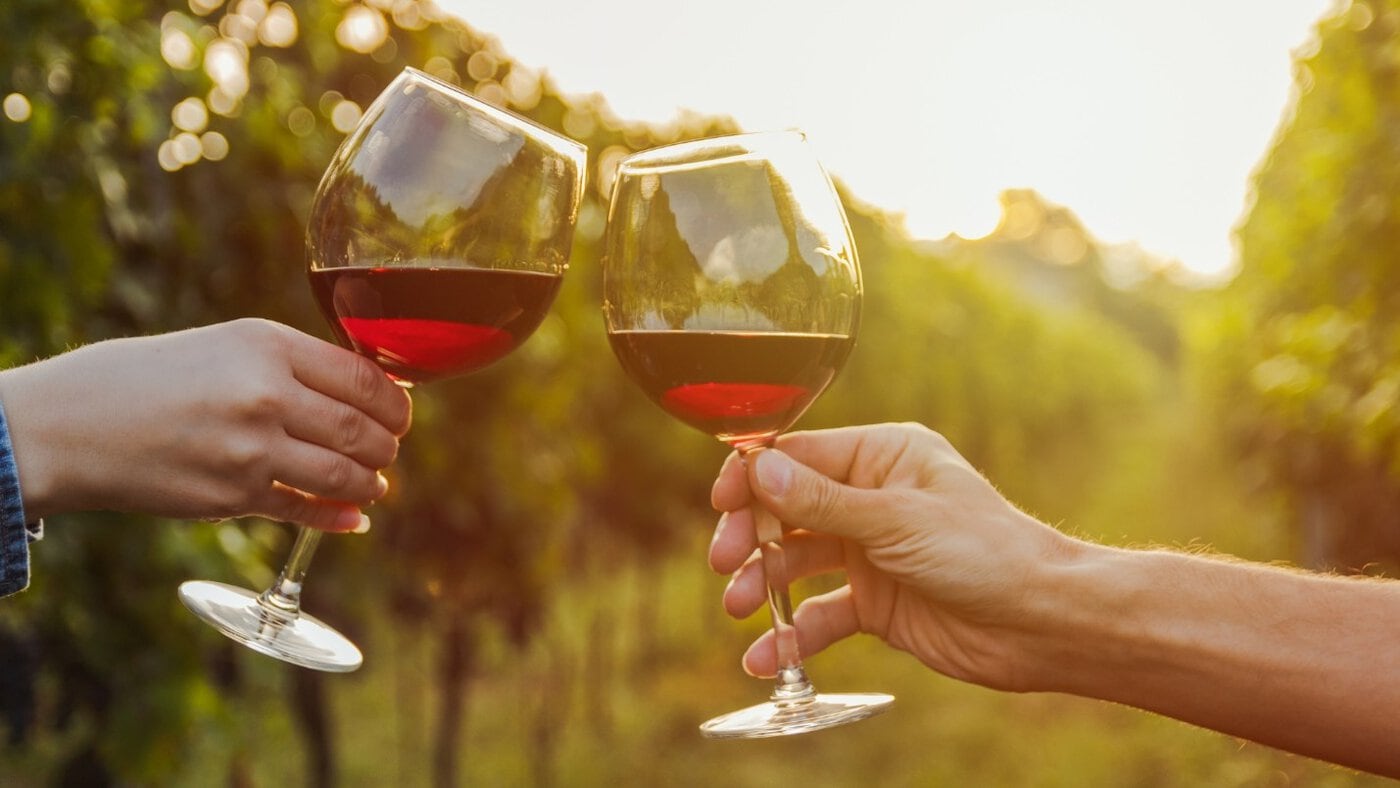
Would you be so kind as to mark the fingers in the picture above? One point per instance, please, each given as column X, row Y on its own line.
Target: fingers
column 731, row 488
column 828, row 452
column 734, row 541
column 831, row 452
column 820, row 620
column 323, row 421
column 350, row 378
column 806, row 554
column 803, row 498
column 860, row 456
column 294, row 506
column 326, row 474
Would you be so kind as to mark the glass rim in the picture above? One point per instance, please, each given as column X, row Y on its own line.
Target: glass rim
column 710, row 151
column 563, row 144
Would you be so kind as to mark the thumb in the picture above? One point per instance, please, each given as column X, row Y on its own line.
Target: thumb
column 802, row 498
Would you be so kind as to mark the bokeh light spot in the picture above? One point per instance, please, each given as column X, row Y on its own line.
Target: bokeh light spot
column 17, row 107
column 409, row 16
column 177, row 48
column 491, row 93
column 279, row 27
column 254, row 10
column 166, row 156
column 226, row 62
column 345, row 115
column 362, row 29
column 523, row 88
column 579, row 123
column 301, row 121
column 329, row 101
column 190, row 115
column 222, row 103
column 187, row 148
column 481, row 65
column 215, row 145
column 441, row 68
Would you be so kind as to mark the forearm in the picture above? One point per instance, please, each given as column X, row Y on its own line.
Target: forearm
column 1304, row 662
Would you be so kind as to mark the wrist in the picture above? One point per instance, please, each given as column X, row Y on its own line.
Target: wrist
column 1086, row 617
column 35, row 446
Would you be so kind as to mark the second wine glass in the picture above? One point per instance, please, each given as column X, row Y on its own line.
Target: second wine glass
column 438, row 238
column 732, row 296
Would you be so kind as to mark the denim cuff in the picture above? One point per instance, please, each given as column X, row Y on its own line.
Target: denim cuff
column 15, row 536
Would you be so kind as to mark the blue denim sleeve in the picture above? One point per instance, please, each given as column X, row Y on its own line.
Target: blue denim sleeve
column 15, row 536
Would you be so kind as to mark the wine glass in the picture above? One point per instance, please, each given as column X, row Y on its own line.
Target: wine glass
column 731, row 294
column 437, row 240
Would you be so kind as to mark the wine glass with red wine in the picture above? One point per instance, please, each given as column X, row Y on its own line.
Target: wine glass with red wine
column 731, row 294
column 438, row 238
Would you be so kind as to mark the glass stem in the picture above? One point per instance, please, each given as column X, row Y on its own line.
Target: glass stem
column 283, row 598
column 792, row 687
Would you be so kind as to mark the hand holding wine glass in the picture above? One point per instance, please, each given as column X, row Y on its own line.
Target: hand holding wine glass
column 732, row 297
column 438, row 238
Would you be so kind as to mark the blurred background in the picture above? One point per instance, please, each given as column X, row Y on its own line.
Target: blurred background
column 534, row 604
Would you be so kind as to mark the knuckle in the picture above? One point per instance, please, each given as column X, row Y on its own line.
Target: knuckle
column 245, row 458
column 339, row 473
column 365, row 379
column 351, row 428
column 915, row 431
column 380, row 448
column 297, row 509
column 255, row 329
column 260, row 401
column 236, row 500
column 825, row 504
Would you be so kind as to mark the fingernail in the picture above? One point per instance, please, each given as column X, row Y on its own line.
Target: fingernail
column 363, row 526
column 383, row 484
column 774, row 471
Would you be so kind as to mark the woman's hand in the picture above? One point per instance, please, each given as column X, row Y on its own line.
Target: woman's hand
column 239, row 418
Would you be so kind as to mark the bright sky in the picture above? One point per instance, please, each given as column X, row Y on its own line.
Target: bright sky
column 1145, row 119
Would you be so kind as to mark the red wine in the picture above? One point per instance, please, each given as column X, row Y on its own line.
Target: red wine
column 740, row 387
column 426, row 323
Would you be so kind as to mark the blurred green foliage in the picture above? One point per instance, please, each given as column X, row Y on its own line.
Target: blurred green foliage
column 532, row 602
column 1307, row 344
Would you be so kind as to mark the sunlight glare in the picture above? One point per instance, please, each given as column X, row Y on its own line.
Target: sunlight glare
column 226, row 62
column 1145, row 121
column 279, row 27
column 177, row 48
column 362, row 29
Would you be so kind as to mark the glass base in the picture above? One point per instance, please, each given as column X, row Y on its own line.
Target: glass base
column 786, row 718
column 299, row 639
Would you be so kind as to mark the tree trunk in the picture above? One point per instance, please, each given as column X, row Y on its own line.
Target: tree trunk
column 455, row 672
column 309, row 714
column 552, row 713
column 598, row 672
